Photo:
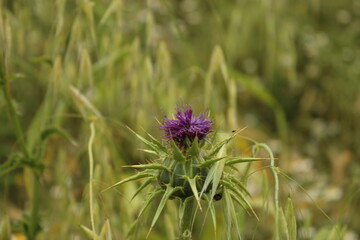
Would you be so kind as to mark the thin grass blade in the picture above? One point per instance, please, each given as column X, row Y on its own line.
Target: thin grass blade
column 105, row 233
column 290, row 219
column 234, row 160
column 239, row 194
column 89, row 233
column 211, row 208
column 219, row 168
column 192, row 183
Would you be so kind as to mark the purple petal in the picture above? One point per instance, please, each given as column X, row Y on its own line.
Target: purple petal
column 186, row 125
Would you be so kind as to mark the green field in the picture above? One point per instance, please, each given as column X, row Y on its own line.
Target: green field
column 75, row 74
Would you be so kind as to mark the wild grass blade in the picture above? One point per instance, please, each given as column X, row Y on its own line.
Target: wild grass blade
column 234, row 160
column 89, row 233
column 211, row 208
column 291, row 219
column 192, row 183
column 239, row 194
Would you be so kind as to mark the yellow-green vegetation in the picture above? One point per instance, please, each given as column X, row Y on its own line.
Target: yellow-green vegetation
column 75, row 73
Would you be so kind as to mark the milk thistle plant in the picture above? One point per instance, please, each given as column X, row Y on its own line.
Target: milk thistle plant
column 189, row 167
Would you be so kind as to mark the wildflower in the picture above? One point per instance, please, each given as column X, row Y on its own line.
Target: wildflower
column 186, row 127
column 191, row 170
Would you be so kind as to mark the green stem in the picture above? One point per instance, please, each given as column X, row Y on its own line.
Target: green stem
column 276, row 191
column 187, row 218
column 35, row 218
column 5, row 82
column 91, row 177
column 13, row 115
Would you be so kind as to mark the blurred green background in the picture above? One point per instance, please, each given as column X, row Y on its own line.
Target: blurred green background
column 288, row 71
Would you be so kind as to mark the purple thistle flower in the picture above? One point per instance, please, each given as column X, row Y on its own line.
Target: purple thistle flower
column 186, row 126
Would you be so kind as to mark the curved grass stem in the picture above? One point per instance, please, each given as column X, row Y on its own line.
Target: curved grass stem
column 276, row 191
column 91, row 173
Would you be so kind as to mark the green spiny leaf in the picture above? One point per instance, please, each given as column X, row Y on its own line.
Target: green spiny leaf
column 148, row 166
column 178, row 155
column 153, row 146
column 169, row 191
column 210, row 162
column 194, row 149
column 149, row 200
column 143, row 185
column 158, row 144
column 148, row 151
column 137, row 176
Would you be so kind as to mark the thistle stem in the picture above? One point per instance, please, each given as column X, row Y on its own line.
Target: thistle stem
column 186, row 222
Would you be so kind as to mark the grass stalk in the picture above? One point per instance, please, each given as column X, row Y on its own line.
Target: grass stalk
column 91, row 174
column 276, row 190
column 6, row 86
column 34, row 212
column 35, row 218
column 5, row 82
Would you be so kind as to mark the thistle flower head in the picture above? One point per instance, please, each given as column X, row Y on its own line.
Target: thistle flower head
column 186, row 126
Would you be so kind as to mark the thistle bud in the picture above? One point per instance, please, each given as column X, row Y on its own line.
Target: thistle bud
column 186, row 134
